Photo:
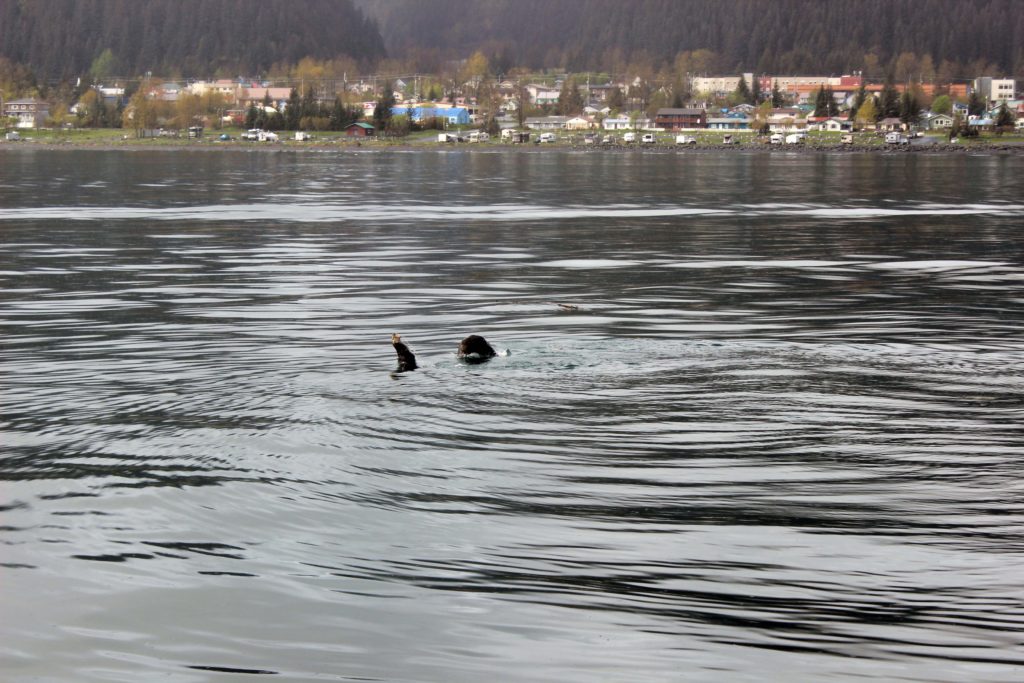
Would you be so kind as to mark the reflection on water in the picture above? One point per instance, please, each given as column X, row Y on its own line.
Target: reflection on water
column 780, row 428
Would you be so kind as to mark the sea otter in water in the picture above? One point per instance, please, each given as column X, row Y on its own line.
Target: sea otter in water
column 475, row 349
column 406, row 358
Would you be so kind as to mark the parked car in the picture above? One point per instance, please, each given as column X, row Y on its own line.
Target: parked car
column 251, row 134
column 302, row 136
column 795, row 138
column 647, row 139
column 547, row 137
column 847, row 139
column 776, row 139
column 589, row 139
column 686, row 140
column 224, row 137
column 608, row 140
column 629, row 137
column 895, row 138
column 267, row 136
column 727, row 140
column 13, row 136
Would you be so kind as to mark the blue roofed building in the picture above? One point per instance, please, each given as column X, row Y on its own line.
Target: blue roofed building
column 455, row 116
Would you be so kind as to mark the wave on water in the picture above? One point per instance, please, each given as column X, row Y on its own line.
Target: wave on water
column 309, row 211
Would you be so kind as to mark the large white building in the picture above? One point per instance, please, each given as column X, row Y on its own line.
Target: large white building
column 995, row 89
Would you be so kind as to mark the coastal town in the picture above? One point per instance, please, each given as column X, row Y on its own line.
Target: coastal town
column 477, row 106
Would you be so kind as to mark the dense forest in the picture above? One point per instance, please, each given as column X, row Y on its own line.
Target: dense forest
column 59, row 39
column 767, row 36
column 62, row 39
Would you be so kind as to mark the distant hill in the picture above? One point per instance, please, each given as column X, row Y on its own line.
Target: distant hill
column 62, row 38
column 780, row 36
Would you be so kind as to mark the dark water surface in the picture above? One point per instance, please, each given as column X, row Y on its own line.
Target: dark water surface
column 781, row 438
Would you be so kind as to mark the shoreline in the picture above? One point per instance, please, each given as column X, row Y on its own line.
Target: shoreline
column 984, row 147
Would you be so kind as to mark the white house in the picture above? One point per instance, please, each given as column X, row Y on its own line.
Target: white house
column 837, row 125
column 617, row 123
column 580, row 123
column 542, row 94
column 546, row 122
column 29, row 113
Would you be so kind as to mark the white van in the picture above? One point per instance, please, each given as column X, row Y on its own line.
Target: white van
column 647, row 139
column 686, row 140
column 895, row 138
column 629, row 137
column 776, row 139
column 795, row 138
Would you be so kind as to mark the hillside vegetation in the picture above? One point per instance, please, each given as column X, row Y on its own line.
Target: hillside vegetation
column 65, row 38
column 773, row 36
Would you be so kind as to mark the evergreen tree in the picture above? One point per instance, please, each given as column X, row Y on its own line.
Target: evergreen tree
column 1004, row 119
column 777, row 98
column 831, row 105
column 616, row 100
column 858, row 100
column 382, row 110
column 889, row 104
column 821, row 103
column 251, row 116
column 570, row 100
column 293, row 111
column 975, row 104
column 742, row 92
column 910, row 108
column 755, row 91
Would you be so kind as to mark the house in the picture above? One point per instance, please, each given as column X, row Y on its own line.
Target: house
column 617, row 123
column 890, row 124
column 932, row 121
column 455, row 116
column 678, row 119
column 29, row 113
column 580, row 123
column 546, row 122
column 359, row 129
column 729, row 123
column 542, row 94
column 837, row 125
column 255, row 96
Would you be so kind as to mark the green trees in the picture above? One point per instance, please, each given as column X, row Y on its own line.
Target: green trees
column 975, row 104
column 382, row 110
column 1004, row 119
column 570, row 100
column 825, row 102
column 778, row 99
column 867, row 114
column 910, row 107
column 742, row 92
column 942, row 105
column 889, row 102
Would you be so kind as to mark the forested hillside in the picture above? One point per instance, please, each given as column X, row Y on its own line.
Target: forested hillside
column 63, row 38
column 775, row 36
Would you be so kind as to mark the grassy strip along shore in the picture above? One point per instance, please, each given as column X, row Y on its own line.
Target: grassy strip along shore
column 705, row 140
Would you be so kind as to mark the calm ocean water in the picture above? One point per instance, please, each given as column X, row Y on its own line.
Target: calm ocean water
column 779, row 437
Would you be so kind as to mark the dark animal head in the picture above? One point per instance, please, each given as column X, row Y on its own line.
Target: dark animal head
column 406, row 358
column 475, row 349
